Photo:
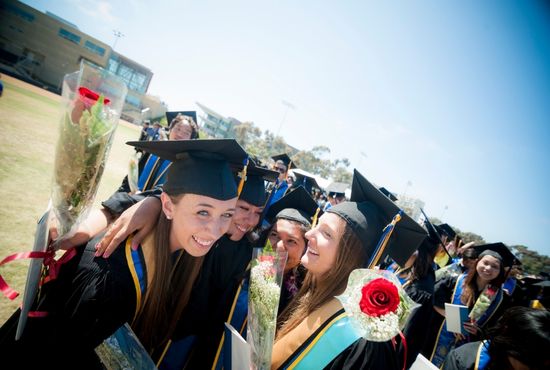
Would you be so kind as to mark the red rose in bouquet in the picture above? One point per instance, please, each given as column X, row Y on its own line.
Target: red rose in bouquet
column 379, row 297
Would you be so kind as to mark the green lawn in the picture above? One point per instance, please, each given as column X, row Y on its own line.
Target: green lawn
column 29, row 129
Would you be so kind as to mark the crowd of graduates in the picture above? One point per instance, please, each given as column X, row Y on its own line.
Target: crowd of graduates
column 174, row 263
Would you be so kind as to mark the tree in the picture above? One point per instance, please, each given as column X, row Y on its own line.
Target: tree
column 532, row 262
column 340, row 174
column 247, row 134
column 470, row 237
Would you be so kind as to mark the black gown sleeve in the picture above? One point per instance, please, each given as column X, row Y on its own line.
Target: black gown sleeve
column 120, row 201
column 88, row 301
column 364, row 354
column 443, row 291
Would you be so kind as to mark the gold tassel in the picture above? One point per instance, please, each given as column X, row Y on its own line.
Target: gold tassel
column 315, row 218
column 242, row 175
column 394, row 221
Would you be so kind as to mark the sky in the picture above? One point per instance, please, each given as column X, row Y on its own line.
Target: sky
column 451, row 97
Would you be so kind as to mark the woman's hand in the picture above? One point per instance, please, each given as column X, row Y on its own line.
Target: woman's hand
column 140, row 217
column 96, row 222
column 471, row 328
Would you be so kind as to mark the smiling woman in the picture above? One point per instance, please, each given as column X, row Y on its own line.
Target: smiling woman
column 149, row 287
column 314, row 331
column 480, row 289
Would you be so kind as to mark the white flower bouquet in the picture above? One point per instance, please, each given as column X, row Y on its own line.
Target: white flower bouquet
column 266, row 278
column 376, row 304
column 92, row 104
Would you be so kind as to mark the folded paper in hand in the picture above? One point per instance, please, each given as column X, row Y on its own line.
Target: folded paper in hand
column 456, row 315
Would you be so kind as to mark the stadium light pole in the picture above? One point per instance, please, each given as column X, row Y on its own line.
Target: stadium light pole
column 118, row 35
column 288, row 106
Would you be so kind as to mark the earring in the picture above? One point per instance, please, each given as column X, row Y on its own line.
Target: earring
column 169, row 217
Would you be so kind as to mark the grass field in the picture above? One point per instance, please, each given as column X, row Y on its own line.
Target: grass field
column 29, row 119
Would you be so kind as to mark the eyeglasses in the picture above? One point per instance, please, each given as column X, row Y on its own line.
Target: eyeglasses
column 280, row 169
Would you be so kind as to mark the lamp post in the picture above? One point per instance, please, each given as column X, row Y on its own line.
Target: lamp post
column 362, row 155
column 143, row 111
column 288, row 106
column 118, row 35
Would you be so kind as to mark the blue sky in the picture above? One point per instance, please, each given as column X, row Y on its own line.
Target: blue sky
column 452, row 96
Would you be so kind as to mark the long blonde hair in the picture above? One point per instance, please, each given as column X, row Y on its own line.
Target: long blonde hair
column 170, row 288
column 317, row 291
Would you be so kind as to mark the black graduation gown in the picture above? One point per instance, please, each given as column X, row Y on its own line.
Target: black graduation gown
column 444, row 293
column 89, row 300
column 366, row 355
column 223, row 270
column 120, row 201
column 421, row 291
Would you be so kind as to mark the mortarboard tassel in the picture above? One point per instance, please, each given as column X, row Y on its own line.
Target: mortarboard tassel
column 382, row 243
column 242, row 175
column 315, row 218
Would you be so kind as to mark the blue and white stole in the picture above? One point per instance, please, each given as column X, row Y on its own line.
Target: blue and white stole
column 324, row 345
column 153, row 173
column 446, row 341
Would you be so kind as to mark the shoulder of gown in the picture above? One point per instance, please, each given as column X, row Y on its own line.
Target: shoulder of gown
column 364, row 354
column 463, row 357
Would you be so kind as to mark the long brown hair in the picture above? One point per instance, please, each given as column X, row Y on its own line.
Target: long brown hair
column 316, row 292
column 170, row 288
column 469, row 292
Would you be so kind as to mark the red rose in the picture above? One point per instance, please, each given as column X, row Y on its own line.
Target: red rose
column 379, row 297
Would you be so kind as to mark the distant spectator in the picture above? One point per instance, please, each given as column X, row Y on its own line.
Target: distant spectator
column 152, row 169
column 143, row 134
column 153, row 133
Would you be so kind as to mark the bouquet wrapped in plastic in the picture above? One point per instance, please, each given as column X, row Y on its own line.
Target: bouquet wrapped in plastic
column 266, row 277
column 376, row 303
column 92, row 104
column 483, row 302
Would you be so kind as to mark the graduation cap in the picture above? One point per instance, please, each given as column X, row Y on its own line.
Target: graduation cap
column 296, row 205
column 198, row 166
column 254, row 187
column 307, row 181
column 507, row 257
column 285, row 159
column 171, row 115
column 388, row 193
column 447, row 230
column 337, row 189
column 378, row 222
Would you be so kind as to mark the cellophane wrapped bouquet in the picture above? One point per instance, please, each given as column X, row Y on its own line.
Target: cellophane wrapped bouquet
column 376, row 303
column 92, row 104
column 266, row 276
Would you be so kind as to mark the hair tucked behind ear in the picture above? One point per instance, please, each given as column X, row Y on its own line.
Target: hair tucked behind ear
column 169, row 291
column 316, row 292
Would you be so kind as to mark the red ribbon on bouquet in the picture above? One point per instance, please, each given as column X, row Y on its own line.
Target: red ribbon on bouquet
column 50, row 262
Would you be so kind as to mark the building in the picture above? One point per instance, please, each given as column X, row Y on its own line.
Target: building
column 215, row 125
column 41, row 48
